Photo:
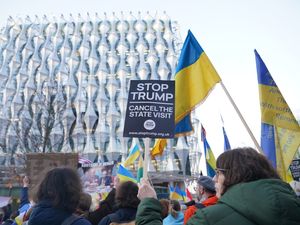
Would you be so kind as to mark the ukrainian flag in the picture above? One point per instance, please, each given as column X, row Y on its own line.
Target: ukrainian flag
column 140, row 170
column 158, row 147
column 183, row 194
column 280, row 131
column 175, row 193
column 195, row 77
column 125, row 175
column 209, row 155
column 133, row 155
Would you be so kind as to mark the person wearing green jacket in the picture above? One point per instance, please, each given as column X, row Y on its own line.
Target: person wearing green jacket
column 250, row 193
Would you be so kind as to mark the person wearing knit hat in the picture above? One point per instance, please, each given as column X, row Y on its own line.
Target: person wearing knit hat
column 207, row 183
column 206, row 194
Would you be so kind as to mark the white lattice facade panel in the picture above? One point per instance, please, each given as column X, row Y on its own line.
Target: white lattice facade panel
column 64, row 83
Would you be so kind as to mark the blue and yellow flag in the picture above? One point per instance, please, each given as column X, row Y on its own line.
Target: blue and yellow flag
column 158, row 147
column 175, row 193
column 134, row 153
column 209, row 155
column 184, row 197
column 195, row 77
column 125, row 175
column 226, row 141
column 280, row 131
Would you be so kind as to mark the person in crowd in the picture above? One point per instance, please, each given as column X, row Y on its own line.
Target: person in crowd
column 127, row 203
column 57, row 198
column 24, row 203
column 25, row 206
column 84, row 205
column 165, row 203
column 106, row 207
column 11, row 219
column 175, row 216
column 207, row 195
column 250, row 193
column 296, row 187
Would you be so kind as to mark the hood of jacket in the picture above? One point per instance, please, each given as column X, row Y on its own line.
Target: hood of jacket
column 264, row 202
column 45, row 214
column 170, row 220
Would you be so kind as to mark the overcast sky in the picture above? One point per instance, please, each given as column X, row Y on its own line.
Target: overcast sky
column 228, row 31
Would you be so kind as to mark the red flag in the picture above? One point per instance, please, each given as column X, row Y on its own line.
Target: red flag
column 188, row 194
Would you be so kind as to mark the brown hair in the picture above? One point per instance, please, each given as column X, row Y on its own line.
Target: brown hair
column 175, row 208
column 165, row 207
column 244, row 165
column 84, row 205
column 126, row 195
column 62, row 187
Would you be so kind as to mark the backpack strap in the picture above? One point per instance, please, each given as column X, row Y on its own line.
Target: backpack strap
column 70, row 219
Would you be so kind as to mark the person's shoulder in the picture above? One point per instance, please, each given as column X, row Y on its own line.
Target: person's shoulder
column 211, row 214
column 105, row 220
column 81, row 221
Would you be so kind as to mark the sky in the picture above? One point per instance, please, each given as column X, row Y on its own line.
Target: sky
column 228, row 32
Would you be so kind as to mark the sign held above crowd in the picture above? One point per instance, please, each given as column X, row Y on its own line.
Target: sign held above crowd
column 150, row 109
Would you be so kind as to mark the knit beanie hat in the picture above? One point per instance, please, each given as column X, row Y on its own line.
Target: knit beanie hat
column 207, row 183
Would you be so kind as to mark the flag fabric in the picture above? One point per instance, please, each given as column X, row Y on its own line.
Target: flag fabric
column 195, row 77
column 183, row 194
column 280, row 131
column 158, row 147
column 134, row 153
column 125, row 175
column 83, row 160
column 175, row 193
column 188, row 194
column 226, row 141
column 210, row 159
column 20, row 218
column 140, row 169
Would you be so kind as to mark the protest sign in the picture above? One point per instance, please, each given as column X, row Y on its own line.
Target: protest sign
column 150, row 109
column 295, row 169
column 37, row 164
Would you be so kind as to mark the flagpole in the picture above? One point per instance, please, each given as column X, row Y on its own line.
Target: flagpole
column 242, row 118
column 146, row 158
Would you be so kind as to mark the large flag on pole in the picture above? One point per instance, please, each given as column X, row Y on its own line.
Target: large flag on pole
column 195, row 77
column 210, row 159
column 280, row 131
column 134, row 153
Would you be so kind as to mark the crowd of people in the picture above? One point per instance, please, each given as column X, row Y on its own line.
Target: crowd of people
column 246, row 190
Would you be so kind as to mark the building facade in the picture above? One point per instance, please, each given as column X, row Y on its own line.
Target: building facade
column 64, row 86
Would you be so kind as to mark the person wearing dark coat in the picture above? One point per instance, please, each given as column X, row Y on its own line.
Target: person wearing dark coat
column 127, row 203
column 250, row 193
column 57, row 198
column 106, row 207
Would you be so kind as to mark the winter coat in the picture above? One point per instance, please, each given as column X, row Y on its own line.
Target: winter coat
column 261, row 202
column 121, row 215
column 45, row 214
column 192, row 209
column 105, row 207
